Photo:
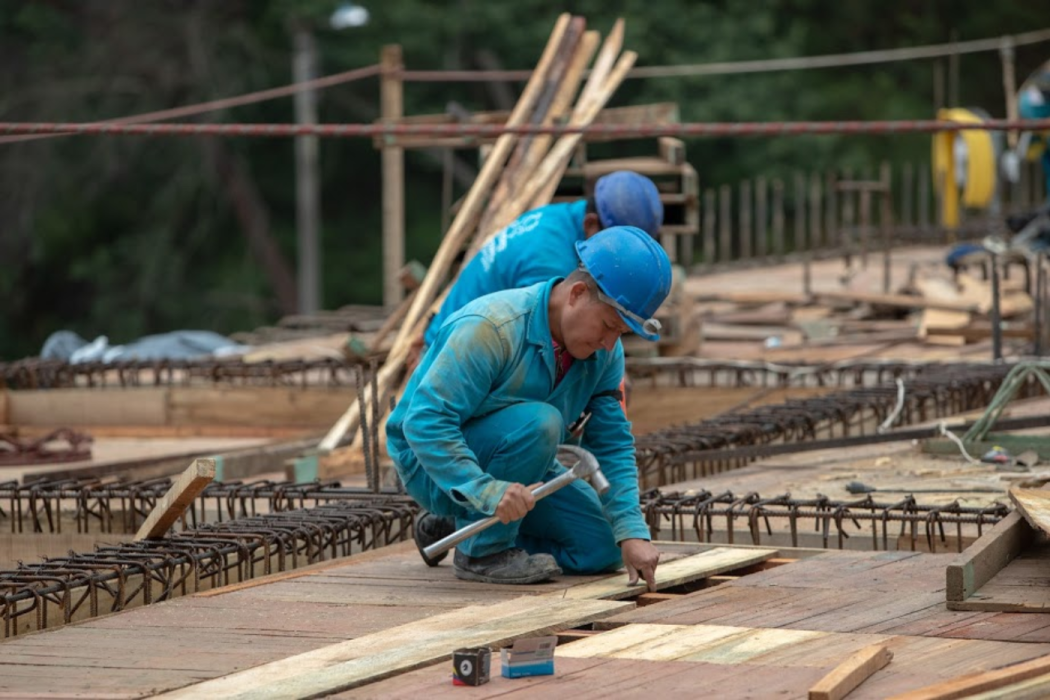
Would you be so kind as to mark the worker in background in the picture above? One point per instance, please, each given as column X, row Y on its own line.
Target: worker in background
column 540, row 244
column 494, row 396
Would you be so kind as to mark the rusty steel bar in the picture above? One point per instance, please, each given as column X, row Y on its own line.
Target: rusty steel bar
column 695, row 514
column 55, row 591
column 696, row 450
column 34, row 373
column 612, row 131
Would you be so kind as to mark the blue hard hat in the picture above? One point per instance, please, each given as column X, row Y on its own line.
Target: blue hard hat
column 1033, row 103
column 623, row 198
column 633, row 274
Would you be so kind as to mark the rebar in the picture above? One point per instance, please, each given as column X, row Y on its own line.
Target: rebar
column 55, row 591
column 692, row 516
column 696, row 450
column 34, row 373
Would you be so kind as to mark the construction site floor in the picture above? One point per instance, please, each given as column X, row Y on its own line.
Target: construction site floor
column 770, row 633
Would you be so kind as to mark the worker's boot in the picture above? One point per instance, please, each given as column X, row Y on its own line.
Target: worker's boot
column 429, row 529
column 508, row 566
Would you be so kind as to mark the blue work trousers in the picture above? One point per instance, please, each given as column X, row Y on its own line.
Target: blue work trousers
column 519, row 444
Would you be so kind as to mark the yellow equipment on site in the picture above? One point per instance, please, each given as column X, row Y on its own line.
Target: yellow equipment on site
column 964, row 165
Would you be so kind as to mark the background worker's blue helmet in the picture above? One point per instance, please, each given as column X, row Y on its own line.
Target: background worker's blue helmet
column 623, row 198
column 633, row 274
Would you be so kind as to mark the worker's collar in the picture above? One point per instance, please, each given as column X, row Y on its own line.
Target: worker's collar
column 539, row 331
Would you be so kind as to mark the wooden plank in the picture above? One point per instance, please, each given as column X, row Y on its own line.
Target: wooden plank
column 249, row 406
column 896, row 300
column 851, row 673
column 968, row 685
column 375, row 656
column 657, row 114
column 986, row 557
column 716, row 644
column 1033, row 689
column 675, row 573
column 1034, row 505
column 178, row 498
column 1020, row 585
column 73, row 407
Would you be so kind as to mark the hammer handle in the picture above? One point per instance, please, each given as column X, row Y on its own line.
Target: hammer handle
column 476, row 527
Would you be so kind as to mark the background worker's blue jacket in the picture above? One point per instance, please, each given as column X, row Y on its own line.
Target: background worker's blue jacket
column 538, row 245
column 493, row 353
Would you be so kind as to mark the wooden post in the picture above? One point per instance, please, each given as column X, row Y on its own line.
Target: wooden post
column 725, row 223
column 761, row 217
column 865, row 226
column 907, row 195
column 709, row 227
column 831, row 207
column 816, row 240
column 745, row 220
column 886, row 223
column 178, row 498
column 391, row 90
column 800, row 212
column 924, row 195
column 849, row 215
column 778, row 218
column 938, row 84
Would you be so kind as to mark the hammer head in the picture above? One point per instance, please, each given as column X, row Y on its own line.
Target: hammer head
column 586, row 466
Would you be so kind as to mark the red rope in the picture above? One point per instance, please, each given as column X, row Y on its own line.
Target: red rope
column 699, row 129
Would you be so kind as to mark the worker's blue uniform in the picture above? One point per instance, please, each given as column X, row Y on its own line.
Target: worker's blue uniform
column 482, row 410
column 538, row 245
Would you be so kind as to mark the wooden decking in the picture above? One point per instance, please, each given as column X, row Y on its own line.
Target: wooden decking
column 770, row 633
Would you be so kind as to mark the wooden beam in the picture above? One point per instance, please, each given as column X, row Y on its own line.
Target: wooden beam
column 851, row 673
column 965, row 686
column 391, row 89
column 178, row 498
column 657, row 114
column 986, row 557
column 899, row 300
column 372, row 657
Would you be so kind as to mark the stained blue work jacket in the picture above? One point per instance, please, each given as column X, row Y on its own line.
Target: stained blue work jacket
column 538, row 245
column 493, row 353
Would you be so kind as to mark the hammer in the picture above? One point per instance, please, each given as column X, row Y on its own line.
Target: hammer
column 586, row 467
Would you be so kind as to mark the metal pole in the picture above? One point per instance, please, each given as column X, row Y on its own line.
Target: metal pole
column 308, row 195
column 997, row 324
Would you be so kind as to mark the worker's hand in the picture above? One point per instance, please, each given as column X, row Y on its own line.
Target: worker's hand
column 641, row 558
column 516, row 502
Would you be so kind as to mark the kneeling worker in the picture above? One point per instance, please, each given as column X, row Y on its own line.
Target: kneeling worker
column 482, row 417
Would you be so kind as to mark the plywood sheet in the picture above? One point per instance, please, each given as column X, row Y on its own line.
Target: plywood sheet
column 1034, row 505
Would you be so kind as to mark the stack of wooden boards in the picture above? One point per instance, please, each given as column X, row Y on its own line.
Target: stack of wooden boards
column 520, row 173
column 933, row 309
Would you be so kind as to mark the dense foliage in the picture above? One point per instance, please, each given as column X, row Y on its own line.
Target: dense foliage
column 125, row 236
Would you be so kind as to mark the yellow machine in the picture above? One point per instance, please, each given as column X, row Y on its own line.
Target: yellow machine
column 964, row 164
